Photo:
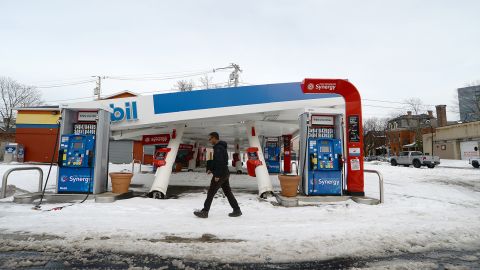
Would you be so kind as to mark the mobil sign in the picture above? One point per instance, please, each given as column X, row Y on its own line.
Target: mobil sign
column 125, row 111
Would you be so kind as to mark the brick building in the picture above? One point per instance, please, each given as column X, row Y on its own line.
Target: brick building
column 404, row 133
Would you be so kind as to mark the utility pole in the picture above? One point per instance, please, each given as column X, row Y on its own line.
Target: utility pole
column 98, row 89
column 234, row 76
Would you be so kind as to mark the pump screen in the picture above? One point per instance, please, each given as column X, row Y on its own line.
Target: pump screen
column 252, row 155
column 325, row 147
column 77, row 145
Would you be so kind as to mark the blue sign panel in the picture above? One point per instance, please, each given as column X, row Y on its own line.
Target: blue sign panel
column 229, row 97
column 75, row 180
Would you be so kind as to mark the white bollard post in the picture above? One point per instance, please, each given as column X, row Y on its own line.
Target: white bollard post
column 238, row 164
column 192, row 163
column 162, row 176
column 263, row 178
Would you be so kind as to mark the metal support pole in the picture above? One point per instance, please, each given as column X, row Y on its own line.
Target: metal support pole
column 263, row 178
column 162, row 176
column 192, row 163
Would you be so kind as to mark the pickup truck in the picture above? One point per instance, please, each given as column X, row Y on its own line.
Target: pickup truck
column 415, row 158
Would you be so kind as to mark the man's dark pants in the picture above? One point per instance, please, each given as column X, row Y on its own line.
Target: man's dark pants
column 223, row 183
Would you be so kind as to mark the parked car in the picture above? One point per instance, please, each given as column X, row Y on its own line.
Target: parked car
column 371, row 158
column 415, row 158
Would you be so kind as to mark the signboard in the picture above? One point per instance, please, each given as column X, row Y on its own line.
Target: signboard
column 322, row 120
column 319, row 87
column 87, row 116
column 354, row 151
column 186, row 146
column 353, row 129
column 155, row 139
column 10, row 149
column 272, row 139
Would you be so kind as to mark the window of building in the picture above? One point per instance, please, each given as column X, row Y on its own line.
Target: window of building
column 444, row 147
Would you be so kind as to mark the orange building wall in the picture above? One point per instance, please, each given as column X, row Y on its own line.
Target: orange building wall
column 137, row 150
column 38, row 143
column 37, row 131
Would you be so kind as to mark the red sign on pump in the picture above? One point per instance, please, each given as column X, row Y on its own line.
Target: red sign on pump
column 155, row 139
column 186, row 147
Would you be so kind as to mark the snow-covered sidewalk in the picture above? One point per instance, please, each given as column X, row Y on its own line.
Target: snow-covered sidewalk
column 424, row 209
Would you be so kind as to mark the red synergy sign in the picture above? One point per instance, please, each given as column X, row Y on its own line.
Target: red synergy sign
column 155, row 139
column 186, row 147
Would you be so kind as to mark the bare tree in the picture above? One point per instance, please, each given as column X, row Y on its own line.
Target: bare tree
column 206, row 82
column 374, row 124
column 15, row 95
column 373, row 128
column 184, row 85
column 415, row 105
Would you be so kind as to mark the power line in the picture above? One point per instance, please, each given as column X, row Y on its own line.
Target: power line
column 59, row 80
column 201, row 71
column 157, row 78
column 64, row 84
column 397, row 102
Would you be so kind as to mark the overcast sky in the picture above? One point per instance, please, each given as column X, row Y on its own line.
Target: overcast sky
column 391, row 50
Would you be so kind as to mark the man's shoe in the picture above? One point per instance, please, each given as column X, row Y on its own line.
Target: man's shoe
column 201, row 214
column 235, row 213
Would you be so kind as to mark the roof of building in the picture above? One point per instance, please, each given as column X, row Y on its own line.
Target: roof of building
column 39, row 108
column 122, row 94
column 456, row 125
column 413, row 116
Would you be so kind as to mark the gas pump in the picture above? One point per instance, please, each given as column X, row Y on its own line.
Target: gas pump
column 235, row 158
column 253, row 161
column 353, row 141
column 83, row 150
column 75, row 160
column 322, row 149
column 272, row 154
column 237, row 163
column 160, row 158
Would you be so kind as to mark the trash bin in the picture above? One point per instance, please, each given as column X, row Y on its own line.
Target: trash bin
column 14, row 152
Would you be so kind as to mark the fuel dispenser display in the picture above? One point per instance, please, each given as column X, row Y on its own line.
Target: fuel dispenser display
column 76, row 158
column 272, row 154
column 323, row 156
column 253, row 160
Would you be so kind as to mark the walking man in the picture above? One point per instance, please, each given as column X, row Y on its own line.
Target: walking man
column 220, row 172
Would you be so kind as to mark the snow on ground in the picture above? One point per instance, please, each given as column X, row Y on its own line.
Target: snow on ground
column 424, row 209
column 454, row 163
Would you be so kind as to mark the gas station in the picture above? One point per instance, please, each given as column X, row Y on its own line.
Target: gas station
column 323, row 115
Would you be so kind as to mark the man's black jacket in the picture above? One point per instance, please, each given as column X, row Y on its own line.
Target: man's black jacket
column 220, row 159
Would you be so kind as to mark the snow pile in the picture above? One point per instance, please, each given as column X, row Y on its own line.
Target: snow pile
column 424, row 209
